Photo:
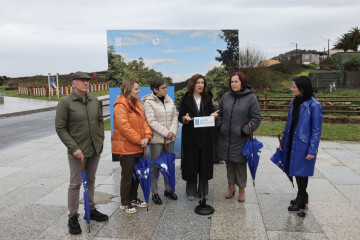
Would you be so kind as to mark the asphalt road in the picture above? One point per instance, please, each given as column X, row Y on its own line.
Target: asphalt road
column 25, row 128
column 21, row 129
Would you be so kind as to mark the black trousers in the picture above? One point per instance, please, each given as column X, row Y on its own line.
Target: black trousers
column 302, row 183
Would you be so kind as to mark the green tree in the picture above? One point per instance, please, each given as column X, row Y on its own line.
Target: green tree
column 119, row 70
column 3, row 80
column 218, row 82
column 349, row 40
column 229, row 57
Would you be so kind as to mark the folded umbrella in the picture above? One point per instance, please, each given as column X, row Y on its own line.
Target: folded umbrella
column 86, row 194
column 166, row 164
column 142, row 170
column 252, row 150
column 279, row 159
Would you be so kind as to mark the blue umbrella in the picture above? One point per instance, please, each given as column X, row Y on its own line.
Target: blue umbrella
column 86, row 194
column 279, row 159
column 252, row 150
column 166, row 164
column 143, row 173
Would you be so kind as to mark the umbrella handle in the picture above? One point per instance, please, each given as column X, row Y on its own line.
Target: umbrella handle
column 165, row 144
column 281, row 145
column 82, row 164
column 251, row 132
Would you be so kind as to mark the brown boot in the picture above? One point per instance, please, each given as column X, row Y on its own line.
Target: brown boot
column 241, row 197
column 230, row 192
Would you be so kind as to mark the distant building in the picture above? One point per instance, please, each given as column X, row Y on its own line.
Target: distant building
column 308, row 58
column 332, row 51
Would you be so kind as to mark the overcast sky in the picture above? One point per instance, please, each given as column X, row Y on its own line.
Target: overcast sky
column 46, row 36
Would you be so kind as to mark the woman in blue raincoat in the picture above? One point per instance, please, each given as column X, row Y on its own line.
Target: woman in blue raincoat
column 301, row 138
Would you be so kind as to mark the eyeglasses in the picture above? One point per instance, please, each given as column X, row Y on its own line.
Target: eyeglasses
column 162, row 88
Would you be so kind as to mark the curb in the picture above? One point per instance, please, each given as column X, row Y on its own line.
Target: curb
column 27, row 112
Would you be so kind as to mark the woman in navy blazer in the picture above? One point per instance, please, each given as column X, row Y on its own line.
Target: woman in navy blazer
column 301, row 138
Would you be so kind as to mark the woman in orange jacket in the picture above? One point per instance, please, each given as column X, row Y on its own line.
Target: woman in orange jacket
column 131, row 134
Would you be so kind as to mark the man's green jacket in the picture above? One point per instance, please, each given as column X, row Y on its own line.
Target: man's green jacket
column 80, row 125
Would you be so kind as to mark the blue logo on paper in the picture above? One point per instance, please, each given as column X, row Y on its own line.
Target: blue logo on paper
column 196, row 121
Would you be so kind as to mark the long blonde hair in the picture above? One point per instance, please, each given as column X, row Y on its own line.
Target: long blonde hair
column 126, row 88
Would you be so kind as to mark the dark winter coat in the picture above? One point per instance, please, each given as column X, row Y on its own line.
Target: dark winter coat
column 306, row 138
column 237, row 109
column 194, row 138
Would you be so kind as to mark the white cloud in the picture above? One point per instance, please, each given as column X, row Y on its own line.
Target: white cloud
column 42, row 36
column 179, row 77
column 211, row 65
column 189, row 49
column 152, row 63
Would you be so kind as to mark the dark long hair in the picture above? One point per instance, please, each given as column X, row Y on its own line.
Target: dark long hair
column 192, row 82
column 304, row 85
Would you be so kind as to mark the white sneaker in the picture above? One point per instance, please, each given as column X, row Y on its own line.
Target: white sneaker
column 138, row 203
column 128, row 208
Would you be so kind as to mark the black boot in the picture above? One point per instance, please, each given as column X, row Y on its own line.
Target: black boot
column 299, row 204
column 74, row 226
column 306, row 199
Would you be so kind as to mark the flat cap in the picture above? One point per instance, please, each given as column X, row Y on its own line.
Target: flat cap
column 79, row 75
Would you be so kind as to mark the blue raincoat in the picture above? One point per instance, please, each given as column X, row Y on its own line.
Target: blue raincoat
column 306, row 138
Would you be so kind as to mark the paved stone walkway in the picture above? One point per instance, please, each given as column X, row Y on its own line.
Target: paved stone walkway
column 33, row 199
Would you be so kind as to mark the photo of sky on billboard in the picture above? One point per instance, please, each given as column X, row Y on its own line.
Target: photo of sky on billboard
column 176, row 54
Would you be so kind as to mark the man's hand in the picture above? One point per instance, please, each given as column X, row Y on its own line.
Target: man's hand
column 78, row 154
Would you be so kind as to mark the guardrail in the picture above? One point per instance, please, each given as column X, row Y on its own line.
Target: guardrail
column 102, row 100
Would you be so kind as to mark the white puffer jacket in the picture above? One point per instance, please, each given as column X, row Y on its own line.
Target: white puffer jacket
column 162, row 118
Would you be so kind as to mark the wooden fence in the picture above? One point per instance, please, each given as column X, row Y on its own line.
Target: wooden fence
column 63, row 89
column 338, row 109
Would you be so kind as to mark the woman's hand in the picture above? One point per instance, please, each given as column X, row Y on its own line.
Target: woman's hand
column 170, row 135
column 215, row 114
column 186, row 119
column 144, row 142
column 309, row 157
column 78, row 154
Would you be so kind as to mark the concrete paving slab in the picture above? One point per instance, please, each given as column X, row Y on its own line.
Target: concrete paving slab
column 340, row 175
column 351, row 192
column 352, row 163
column 321, row 190
column 279, row 235
column 274, row 183
column 339, row 154
column 30, row 222
column 263, row 215
column 331, row 145
column 239, row 221
column 276, row 217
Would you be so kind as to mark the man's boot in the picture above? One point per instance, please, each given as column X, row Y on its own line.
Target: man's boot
column 230, row 192
column 74, row 226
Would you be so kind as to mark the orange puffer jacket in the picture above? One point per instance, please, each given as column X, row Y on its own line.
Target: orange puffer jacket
column 129, row 127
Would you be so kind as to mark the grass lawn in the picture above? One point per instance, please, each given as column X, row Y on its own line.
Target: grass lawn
column 330, row 131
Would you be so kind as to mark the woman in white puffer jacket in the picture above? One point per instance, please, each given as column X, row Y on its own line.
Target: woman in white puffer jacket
column 162, row 116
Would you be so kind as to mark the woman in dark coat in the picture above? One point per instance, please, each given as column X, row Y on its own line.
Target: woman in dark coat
column 197, row 146
column 301, row 138
column 238, row 107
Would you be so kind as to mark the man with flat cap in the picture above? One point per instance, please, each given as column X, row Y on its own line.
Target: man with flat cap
column 79, row 124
